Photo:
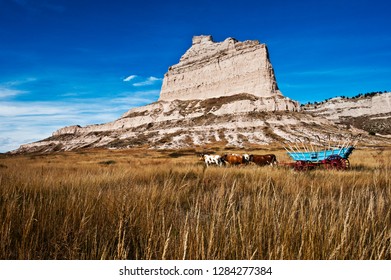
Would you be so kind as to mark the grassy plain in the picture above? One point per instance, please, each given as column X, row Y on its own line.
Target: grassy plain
column 144, row 204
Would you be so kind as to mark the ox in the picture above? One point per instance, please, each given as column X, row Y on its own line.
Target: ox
column 261, row 160
column 212, row 159
column 235, row 159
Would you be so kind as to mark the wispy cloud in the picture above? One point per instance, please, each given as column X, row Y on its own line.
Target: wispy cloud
column 19, row 82
column 149, row 81
column 9, row 92
column 139, row 81
column 129, row 78
column 12, row 88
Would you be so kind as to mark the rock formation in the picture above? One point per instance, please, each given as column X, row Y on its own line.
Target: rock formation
column 210, row 69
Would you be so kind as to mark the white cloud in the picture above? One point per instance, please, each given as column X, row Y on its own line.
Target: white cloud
column 129, row 78
column 12, row 109
column 8, row 92
column 149, row 81
column 139, row 81
column 19, row 82
column 7, row 89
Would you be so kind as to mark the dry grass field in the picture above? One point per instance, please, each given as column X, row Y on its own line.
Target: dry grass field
column 143, row 204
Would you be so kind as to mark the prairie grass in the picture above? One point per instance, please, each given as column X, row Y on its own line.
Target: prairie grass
column 143, row 204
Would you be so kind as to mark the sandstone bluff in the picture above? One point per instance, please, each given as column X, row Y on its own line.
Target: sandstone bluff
column 209, row 69
column 219, row 92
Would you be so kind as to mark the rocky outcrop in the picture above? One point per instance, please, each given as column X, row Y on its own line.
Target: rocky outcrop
column 370, row 113
column 209, row 69
column 73, row 129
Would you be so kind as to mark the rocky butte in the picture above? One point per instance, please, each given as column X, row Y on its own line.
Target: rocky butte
column 219, row 92
column 209, row 69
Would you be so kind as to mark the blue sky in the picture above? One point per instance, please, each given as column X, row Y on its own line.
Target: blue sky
column 85, row 62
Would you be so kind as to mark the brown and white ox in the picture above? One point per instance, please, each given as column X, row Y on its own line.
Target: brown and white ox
column 235, row 159
column 261, row 160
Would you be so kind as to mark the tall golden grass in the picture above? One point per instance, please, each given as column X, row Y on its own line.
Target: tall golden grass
column 141, row 204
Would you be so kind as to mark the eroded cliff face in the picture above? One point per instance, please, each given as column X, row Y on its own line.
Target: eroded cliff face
column 209, row 69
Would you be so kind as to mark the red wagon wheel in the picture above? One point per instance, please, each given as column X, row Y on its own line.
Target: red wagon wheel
column 336, row 162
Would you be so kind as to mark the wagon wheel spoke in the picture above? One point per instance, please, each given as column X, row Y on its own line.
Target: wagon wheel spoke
column 337, row 162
